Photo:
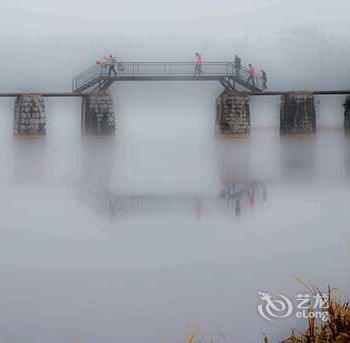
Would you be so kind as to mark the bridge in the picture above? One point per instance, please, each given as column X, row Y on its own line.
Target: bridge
column 248, row 93
column 98, row 78
column 297, row 109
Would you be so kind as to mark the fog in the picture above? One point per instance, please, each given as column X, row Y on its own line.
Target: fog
column 126, row 238
column 302, row 45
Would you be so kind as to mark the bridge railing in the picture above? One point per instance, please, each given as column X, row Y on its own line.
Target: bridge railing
column 165, row 69
column 158, row 69
column 87, row 76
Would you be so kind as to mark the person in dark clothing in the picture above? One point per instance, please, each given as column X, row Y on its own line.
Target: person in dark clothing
column 111, row 61
column 263, row 78
column 238, row 66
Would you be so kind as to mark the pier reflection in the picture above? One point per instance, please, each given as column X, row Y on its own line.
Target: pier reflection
column 98, row 157
column 239, row 174
column 346, row 151
column 29, row 160
column 298, row 158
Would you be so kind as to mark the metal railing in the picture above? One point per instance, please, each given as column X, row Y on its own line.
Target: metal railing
column 159, row 70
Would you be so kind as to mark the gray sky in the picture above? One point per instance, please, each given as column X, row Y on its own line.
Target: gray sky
column 300, row 43
column 328, row 15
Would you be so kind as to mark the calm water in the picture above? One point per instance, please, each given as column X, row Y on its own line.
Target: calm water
column 127, row 239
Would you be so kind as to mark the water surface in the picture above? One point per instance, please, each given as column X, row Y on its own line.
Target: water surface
column 129, row 239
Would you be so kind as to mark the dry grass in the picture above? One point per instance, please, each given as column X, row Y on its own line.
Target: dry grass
column 191, row 338
column 335, row 330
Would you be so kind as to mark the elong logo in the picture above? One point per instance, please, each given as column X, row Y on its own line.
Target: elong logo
column 309, row 306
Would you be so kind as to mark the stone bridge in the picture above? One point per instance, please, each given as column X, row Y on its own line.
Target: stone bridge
column 233, row 116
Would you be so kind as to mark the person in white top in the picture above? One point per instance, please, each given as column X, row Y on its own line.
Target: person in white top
column 111, row 62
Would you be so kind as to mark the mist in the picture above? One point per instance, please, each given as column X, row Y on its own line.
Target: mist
column 128, row 238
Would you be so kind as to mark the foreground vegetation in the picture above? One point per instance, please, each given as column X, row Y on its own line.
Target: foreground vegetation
column 336, row 329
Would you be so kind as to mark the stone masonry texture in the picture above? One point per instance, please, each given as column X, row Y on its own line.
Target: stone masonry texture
column 29, row 115
column 297, row 114
column 233, row 115
column 98, row 116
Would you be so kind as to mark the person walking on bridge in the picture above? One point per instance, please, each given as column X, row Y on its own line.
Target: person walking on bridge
column 251, row 75
column 263, row 78
column 111, row 62
column 198, row 71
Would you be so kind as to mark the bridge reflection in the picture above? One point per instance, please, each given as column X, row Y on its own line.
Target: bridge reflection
column 235, row 189
column 234, row 198
column 238, row 195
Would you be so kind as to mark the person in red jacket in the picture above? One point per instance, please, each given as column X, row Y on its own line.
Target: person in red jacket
column 251, row 75
column 198, row 71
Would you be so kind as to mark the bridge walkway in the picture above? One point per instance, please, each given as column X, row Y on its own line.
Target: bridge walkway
column 98, row 78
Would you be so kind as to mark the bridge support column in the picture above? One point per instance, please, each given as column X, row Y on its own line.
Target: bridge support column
column 347, row 115
column 233, row 114
column 298, row 114
column 29, row 116
column 98, row 115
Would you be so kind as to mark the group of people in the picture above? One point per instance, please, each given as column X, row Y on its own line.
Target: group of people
column 251, row 77
column 109, row 64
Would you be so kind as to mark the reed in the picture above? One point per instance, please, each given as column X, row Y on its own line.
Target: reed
column 335, row 330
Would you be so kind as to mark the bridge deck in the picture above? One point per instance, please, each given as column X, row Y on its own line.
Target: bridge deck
column 99, row 77
column 44, row 94
column 252, row 93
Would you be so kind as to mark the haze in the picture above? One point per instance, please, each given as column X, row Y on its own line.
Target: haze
column 72, row 270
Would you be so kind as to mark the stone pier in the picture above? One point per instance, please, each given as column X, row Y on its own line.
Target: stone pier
column 98, row 115
column 347, row 115
column 29, row 116
column 233, row 115
column 298, row 114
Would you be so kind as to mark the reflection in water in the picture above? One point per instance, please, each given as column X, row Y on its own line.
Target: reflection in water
column 239, row 194
column 298, row 157
column 117, row 206
column 234, row 160
column 29, row 164
column 30, row 160
column 239, row 191
column 98, row 160
column 233, row 196
column 151, row 267
column 346, row 148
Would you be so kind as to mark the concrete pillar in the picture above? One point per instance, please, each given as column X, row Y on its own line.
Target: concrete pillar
column 98, row 115
column 233, row 115
column 347, row 115
column 297, row 115
column 29, row 116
